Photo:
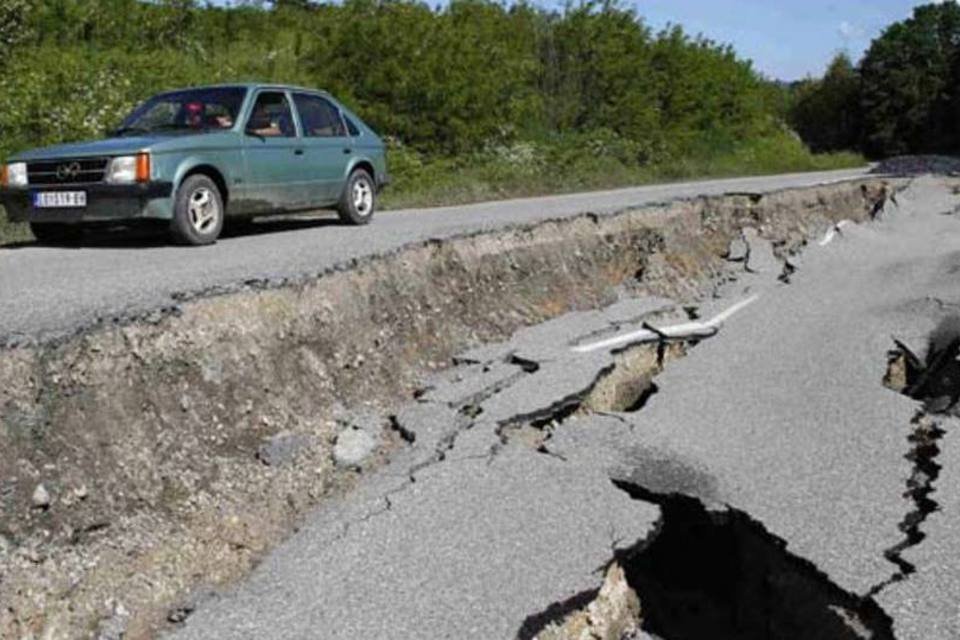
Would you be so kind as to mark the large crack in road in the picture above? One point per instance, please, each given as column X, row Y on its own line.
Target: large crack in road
column 722, row 575
column 551, row 490
column 934, row 381
column 716, row 572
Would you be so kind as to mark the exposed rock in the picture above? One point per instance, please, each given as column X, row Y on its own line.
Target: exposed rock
column 282, row 449
column 614, row 614
column 353, row 447
column 40, row 498
column 760, row 258
column 738, row 250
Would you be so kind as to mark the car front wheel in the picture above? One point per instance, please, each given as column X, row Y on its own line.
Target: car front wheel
column 359, row 199
column 198, row 212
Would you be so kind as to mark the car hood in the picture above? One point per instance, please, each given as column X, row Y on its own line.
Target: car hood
column 108, row 147
column 119, row 146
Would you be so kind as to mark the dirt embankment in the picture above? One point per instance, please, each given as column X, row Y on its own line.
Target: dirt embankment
column 144, row 462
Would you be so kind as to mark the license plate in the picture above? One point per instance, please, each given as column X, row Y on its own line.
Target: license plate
column 59, row 199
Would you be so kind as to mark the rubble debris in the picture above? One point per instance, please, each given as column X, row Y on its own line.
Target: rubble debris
column 353, row 447
column 935, row 379
column 760, row 256
column 40, row 499
column 611, row 613
column 738, row 249
column 630, row 384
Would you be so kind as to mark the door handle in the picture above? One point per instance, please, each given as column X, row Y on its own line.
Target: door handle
column 347, row 150
column 298, row 152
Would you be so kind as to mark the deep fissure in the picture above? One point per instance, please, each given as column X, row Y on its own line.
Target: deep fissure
column 721, row 574
column 935, row 381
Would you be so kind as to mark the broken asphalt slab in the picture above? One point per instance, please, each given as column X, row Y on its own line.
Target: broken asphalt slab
column 466, row 551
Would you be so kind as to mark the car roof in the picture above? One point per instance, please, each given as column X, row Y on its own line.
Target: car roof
column 251, row 85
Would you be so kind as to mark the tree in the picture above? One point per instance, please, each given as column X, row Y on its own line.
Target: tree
column 910, row 95
column 14, row 25
column 826, row 112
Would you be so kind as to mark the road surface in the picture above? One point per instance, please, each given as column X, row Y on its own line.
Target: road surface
column 781, row 417
column 46, row 292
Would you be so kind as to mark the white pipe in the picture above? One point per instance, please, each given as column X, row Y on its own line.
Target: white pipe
column 683, row 330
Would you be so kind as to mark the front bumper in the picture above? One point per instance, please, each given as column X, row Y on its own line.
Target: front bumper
column 105, row 202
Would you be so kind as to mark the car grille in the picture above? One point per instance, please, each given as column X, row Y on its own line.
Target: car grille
column 70, row 171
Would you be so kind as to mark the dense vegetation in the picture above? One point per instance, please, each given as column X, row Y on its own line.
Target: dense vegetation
column 903, row 97
column 477, row 98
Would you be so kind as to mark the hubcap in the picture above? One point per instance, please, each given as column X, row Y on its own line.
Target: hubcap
column 204, row 210
column 362, row 197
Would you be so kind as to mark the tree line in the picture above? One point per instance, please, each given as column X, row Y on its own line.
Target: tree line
column 902, row 98
column 441, row 80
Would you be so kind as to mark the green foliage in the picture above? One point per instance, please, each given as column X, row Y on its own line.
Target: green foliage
column 903, row 98
column 910, row 91
column 826, row 112
column 14, row 19
column 450, row 80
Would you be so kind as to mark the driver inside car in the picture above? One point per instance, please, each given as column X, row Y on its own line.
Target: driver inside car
column 262, row 125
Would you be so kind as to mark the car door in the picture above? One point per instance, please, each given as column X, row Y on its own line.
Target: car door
column 274, row 156
column 327, row 146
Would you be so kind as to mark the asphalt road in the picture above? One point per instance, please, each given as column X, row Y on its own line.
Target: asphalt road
column 782, row 416
column 45, row 292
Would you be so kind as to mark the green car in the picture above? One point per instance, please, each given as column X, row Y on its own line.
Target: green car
column 195, row 157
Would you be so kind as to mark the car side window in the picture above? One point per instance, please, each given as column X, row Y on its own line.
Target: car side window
column 318, row 117
column 271, row 116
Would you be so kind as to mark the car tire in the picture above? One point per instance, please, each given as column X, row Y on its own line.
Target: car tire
column 56, row 233
column 358, row 202
column 198, row 212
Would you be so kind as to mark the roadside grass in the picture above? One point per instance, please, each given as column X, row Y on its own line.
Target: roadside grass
column 13, row 232
column 479, row 177
column 527, row 170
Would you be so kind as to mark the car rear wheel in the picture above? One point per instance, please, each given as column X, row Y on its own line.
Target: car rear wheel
column 359, row 199
column 198, row 212
column 56, row 233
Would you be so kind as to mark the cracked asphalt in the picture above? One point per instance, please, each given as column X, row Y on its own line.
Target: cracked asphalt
column 782, row 415
column 48, row 292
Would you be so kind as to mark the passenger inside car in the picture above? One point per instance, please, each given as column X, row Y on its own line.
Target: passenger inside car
column 271, row 117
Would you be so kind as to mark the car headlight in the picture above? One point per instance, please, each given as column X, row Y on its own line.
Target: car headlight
column 129, row 169
column 14, row 175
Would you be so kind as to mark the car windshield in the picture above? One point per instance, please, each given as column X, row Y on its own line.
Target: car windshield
column 191, row 110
